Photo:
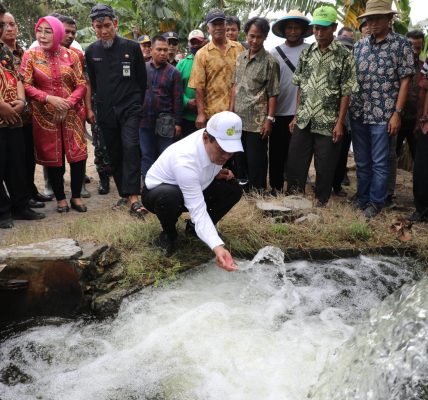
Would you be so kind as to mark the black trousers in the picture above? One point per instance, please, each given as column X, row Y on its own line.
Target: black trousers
column 279, row 142
column 123, row 145
column 14, row 193
column 303, row 145
column 406, row 132
column 30, row 162
column 167, row 202
column 187, row 127
column 420, row 173
column 252, row 164
column 77, row 175
column 340, row 172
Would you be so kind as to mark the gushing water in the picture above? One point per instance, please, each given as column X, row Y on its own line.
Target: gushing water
column 264, row 332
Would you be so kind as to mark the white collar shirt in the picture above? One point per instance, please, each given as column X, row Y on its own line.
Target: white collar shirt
column 186, row 164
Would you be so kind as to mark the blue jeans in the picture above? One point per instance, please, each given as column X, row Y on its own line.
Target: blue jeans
column 371, row 153
column 152, row 146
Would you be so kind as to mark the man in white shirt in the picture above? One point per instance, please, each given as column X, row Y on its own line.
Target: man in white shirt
column 188, row 176
column 293, row 27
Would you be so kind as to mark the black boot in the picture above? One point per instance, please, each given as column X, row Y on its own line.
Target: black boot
column 104, row 185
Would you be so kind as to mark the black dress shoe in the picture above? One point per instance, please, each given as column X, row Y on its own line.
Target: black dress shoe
column 35, row 204
column 27, row 214
column 419, row 216
column 190, row 228
column 42, row 197
column 166, row 244
column 78, row 207
column 104, row 185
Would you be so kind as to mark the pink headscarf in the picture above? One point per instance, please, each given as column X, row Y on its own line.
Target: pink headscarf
column 57, row 28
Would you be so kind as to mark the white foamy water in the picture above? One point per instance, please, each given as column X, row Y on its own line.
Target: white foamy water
column 264, row 332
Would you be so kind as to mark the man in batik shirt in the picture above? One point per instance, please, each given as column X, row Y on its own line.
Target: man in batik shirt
column 385, row 65
column 326, row 78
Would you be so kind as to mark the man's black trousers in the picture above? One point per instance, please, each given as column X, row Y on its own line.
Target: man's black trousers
column 123, row 147
column 167, row 202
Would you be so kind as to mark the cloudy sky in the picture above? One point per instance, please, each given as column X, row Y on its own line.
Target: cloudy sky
column 419, row 12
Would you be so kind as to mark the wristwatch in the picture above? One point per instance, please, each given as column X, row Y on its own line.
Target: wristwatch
column 399, row 111
column 270, row 118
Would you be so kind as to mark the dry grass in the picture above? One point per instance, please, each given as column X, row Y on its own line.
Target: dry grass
column 245, row 230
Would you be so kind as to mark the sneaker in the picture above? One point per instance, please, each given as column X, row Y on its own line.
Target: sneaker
column 346, row 181
column 27, row 214
column 389, row 202
column 166, row 244
column 419, row 216
column 84, row 192
column 190, row 228
column 340, row 193
column 371, row 211
column 48, row 192
column 356, row 205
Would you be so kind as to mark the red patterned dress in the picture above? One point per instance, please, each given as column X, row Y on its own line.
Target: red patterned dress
column 59, row 74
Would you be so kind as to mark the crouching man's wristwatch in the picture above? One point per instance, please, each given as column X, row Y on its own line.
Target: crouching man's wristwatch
column 399, row 111
column 270, row 118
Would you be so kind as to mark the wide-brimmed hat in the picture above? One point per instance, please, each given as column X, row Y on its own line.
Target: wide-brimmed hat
column 293, row 15
column 378, row 7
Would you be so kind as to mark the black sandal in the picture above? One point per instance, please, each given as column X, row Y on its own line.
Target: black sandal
column 78, row 207
column 137, row 210
column 6, row 223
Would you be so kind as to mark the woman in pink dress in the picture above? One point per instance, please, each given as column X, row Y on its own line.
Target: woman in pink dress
column 54, row 83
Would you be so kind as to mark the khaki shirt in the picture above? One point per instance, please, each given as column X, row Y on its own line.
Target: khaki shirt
column 324, row 78
column 213, row 73
column 256, row 80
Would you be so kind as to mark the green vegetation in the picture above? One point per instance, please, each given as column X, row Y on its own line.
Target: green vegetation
column 244, row 231
column 359, row 231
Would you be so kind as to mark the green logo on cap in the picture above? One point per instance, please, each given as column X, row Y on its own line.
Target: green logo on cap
column 230, row 131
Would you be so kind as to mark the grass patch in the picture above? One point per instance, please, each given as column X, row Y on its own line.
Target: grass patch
column 244, row 231
column 359, row 231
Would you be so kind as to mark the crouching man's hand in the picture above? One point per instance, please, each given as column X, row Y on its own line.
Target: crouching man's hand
column 225, row 174
column 224, row 259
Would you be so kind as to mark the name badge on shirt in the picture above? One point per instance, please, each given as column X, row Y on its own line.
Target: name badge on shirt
column 126, row 69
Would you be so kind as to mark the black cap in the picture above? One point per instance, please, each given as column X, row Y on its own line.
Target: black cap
column 215, row 14
column 346, row 41
column 170, row 35
column 101, row 11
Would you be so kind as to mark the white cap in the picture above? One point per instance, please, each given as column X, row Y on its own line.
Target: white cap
column 226, row 127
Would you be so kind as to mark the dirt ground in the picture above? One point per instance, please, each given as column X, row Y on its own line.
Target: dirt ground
column 103, row 203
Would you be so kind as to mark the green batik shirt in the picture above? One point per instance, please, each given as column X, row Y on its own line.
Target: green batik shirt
column 256, row 80
column 323, row 79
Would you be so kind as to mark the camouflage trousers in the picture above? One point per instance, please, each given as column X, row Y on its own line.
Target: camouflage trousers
column 102, row 159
